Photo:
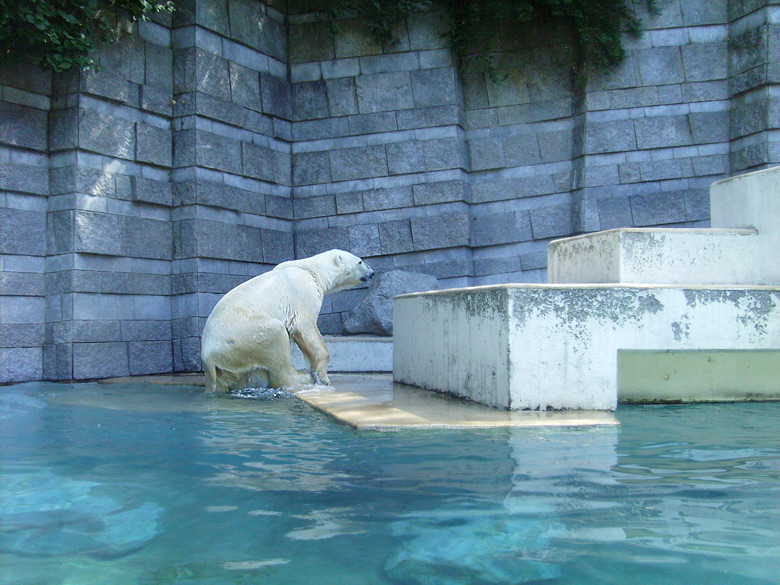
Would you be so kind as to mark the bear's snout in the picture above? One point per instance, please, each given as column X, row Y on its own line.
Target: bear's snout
column 369, row 276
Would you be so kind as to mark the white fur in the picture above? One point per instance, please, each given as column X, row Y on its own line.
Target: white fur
column 250, row 328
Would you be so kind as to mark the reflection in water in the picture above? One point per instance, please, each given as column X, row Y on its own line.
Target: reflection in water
column 146, row 485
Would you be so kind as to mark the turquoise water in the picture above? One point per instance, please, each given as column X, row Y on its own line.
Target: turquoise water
column 143, row 484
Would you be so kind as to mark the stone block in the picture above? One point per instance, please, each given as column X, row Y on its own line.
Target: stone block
column 149, row 357
column 145, row 330
column 96, row 331
column 309, row 207
column 405, row 157
column 342, row 96
column 245, row 22
column 217, row 152
column 427, row 30
column 158, row 101
column 705, row 61
column 440, row 192
column 22, row 232
column 149, row 238
column 486, row 153
column 429, row 117
column 551, row 222
column 384, row 92
column 59, row 232
column 273, row 38
column 99, row 360
column 99, row 233
column 522, row 150
column 23, row 126
column 22, row 335
column 153, row 145
column 444, row 231
column 389, row 198
column 152, row 191
column 24, row 178
column 372, row 123
column 556, row 146
column 443, row 153
column 324, row 128
column 311, row 242
column 107, row 85
column 21, row 364
column 277, row 246
column 660, row 170
column 309, row 100
column 277, row 96
column 266, row 164
column 747, row 50
column 374, row 313
column 309, row 168
column 349, row 203
column 279, row 207
column 616, row 136
column 107, row 135
column 349, row 164
column 311, row 41
column 245, row 86
column 508, row 87
column 434, row 87
column 663, row 132
column 364, row 240
column 27, row 77
column 709, row 127
column 614, row 212
column 703, row 12
column 19, row 309
column 354, row 39
column 25, row 283
column 396, row 236
column 502, row 228
column 212, row 75
column 149, row 284
column 658, row 208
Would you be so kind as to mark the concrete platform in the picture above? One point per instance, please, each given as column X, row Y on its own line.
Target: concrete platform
column 656, row 256
column 374, row 402
column 526, row 346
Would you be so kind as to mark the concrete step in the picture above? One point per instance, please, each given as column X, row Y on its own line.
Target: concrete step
column 354, row 353
column 657, row 256
column 526, row 346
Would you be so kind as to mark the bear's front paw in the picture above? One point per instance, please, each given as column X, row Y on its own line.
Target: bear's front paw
column 321, row 379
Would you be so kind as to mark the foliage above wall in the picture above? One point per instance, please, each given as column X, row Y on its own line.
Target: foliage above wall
column 60, row 34
column 597, row 26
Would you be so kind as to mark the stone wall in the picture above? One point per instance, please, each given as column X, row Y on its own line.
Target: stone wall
column 237, row 134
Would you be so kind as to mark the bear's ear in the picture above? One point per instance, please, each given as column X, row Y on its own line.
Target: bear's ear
column 338, row 259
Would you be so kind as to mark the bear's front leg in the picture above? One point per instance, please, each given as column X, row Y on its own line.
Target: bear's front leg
column 309, row 340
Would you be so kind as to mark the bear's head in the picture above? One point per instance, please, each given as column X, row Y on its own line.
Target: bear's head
column 349, row 270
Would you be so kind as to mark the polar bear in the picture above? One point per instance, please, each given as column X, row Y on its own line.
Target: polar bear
column 249, row 330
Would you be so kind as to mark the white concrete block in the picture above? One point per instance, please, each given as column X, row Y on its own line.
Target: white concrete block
column 657, row 256
column 354, row 353
column 752, row 201
column 541, row 347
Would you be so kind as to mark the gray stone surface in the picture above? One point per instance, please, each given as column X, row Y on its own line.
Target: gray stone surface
column 203, row 153
column 374, row 313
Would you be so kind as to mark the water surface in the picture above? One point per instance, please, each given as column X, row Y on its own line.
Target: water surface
column 143, row 484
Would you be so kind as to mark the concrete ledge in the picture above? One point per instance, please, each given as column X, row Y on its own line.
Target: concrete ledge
column 556, row 346
column 656, row 256
column 354, row 353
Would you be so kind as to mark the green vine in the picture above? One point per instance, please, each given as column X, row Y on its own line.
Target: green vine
column 59, row 35
column 597, row 26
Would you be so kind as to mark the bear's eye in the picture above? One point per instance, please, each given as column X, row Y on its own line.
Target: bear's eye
column 361, row 262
